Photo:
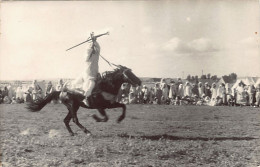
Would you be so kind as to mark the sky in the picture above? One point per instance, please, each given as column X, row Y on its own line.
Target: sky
column 154, row 38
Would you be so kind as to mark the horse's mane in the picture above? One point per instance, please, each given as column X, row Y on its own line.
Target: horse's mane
column 107, row 80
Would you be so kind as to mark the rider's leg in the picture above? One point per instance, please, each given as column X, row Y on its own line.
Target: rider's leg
column 88, row 87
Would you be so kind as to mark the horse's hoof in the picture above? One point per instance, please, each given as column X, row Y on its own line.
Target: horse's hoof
column 96, row 118
column 72, row 134
column 119, row 120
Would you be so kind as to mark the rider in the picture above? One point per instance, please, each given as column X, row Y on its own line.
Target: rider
column 91, row 69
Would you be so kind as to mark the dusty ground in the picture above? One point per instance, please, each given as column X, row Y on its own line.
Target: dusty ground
column 151, row 135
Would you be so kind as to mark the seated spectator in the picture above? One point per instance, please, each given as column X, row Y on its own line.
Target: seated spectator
column 13, row 101
column 19, row 100
column 7, row 100
column 59, row 85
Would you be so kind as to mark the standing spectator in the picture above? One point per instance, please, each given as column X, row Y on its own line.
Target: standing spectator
column 194, row 90
column 241, row 94
column 11, row 92
column 213, row 91
column 180, row 91
column 157, row 93
column 251, row 93
column 49, row 89
column 173, row 90
column 152, row 95
column 165, row 93
column 5, row 92
column 139, row 95
column 221, row 93
column 201, row 89
column 146, row 94
column 19, row 93
column 257, row 96
column 207, row 90
column 132, row 95
column 60, row 85
column 1, row 96
column 37, row 90
column 187, row 90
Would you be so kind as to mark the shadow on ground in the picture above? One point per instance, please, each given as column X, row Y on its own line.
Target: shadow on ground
column 170, row 137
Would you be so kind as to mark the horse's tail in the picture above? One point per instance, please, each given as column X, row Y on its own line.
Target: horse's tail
column 38, row 105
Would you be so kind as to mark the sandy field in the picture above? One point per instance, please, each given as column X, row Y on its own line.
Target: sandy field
column 150, row 136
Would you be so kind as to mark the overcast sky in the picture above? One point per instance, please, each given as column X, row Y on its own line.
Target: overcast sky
column 154, row 39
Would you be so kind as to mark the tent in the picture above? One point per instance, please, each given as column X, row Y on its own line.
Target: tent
column 244, row 81
column 257, row 82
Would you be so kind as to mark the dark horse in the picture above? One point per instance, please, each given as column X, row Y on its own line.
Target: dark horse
column 107, row 84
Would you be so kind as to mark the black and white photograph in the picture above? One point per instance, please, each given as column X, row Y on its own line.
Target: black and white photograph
column 131, row 83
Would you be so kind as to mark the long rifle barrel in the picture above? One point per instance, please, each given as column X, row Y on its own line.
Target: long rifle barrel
column 89, row 39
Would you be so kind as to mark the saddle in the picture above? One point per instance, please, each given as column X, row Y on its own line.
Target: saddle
column 102, row 86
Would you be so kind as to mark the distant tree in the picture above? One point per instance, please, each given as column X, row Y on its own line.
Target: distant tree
column 189, row 77
column 208, row 75
column 192, row 78
column 226, row 78
column 233, row 76
column 214, row 77
column 203, row 77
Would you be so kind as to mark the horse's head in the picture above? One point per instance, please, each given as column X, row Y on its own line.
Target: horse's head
column 129, row 76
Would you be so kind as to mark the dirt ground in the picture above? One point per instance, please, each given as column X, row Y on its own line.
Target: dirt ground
column 150, row 135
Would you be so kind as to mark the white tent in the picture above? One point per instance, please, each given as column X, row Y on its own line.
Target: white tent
column 244, row 81
column 257, row 82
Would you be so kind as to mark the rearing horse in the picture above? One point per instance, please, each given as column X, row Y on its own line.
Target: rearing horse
column 107, row 84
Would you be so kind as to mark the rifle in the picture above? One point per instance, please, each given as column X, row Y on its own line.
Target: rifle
column 89, row 39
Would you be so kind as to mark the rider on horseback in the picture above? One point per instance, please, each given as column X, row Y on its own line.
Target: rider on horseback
column 91, row 69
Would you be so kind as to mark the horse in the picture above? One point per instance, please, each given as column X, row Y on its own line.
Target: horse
column 102, row 97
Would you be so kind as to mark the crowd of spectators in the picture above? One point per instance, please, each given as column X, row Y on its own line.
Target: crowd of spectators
column 174, row 93
column 179, row 93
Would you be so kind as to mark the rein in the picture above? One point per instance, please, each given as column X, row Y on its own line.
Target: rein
column 109, row 63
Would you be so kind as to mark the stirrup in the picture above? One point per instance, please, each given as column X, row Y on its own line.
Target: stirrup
column 85, row 101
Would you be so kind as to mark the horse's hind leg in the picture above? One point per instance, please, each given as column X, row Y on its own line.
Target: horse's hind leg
column 67, row 121
column 103, row 113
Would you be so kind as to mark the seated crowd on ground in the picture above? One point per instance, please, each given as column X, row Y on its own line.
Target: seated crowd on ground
column 174, row 93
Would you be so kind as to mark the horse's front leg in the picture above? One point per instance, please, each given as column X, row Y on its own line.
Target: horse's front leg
column 117, row 105
column 103, row 113
column 67, row 121
column 75, row 108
